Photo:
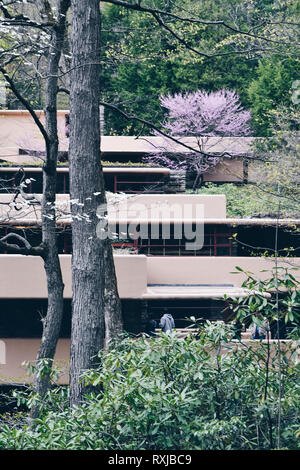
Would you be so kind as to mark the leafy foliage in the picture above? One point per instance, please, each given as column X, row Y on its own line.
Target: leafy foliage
column 142, row 60
column 271, row 88
column 275, row 299
column 251, row 200
column 278, row 156
column 171, row 393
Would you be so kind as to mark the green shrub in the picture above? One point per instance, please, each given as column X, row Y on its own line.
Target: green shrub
column 171, row 393
column 251, row 200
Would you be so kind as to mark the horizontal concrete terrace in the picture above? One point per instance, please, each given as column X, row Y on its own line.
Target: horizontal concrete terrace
column 142, row 277
column 145, row 208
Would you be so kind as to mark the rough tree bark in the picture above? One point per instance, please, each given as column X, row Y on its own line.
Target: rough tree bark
column 87, row 193
column 112, row 303
column 55, row 286
column 48, row 248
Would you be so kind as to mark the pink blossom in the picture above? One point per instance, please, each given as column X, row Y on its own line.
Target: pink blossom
column 202, row 115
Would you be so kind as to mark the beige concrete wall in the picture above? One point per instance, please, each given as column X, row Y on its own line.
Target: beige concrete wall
column 23, row 277
column 18, row 129
column 170, row 206
column 145, row 207
column 226, row 171
column 207, row 270
column 19, row 350
column 131, row 273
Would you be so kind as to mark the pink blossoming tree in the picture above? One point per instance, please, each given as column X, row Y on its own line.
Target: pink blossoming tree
column 193, row 118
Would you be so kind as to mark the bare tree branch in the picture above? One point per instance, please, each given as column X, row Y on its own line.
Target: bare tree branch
column 21, row 20
column 25, row 103
column 156, row 12
column 27, row 249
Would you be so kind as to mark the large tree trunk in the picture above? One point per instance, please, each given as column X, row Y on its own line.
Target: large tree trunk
column 55, row 286
column 94, row 289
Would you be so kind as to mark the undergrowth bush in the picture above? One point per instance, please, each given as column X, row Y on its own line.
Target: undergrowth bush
column 171, row 393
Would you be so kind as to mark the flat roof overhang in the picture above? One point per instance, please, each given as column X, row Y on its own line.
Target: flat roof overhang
column 257, row 222
column 195, row 291
column 120, row 145
column 25, row 112
column 106, row 169
column 207, row 221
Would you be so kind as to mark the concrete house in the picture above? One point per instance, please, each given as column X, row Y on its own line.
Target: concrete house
column 173, row 249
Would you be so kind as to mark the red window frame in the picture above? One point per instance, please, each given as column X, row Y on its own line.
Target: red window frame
column 213, row 246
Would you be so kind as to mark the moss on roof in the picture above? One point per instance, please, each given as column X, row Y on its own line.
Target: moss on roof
column 252, row 200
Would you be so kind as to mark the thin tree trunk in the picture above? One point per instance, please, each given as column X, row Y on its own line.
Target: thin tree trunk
column 112, row 304
column 55, row 286
column 196, row 181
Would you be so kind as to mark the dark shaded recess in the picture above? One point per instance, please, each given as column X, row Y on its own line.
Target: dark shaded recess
column 131, row 311
column 263, row 238
column 136, row 313
column 33, row 235
column 218, row 240
column 8, row 403
column 22, row 318
column 114, row 182
column 182, row 309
